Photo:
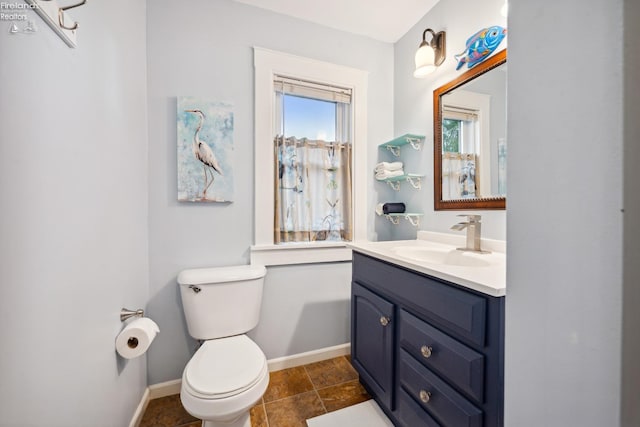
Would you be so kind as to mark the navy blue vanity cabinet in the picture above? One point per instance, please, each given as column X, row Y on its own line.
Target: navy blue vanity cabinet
column 430, row 352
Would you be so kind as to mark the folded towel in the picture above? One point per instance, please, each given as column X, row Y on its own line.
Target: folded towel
column 388, row 166
column 388, row 174
column 389, row 208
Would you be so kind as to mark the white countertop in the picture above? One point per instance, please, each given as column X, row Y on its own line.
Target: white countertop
column 484, row 273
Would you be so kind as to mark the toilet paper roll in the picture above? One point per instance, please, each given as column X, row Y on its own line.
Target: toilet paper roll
column 134, row 340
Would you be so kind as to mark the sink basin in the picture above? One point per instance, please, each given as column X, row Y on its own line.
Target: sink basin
column 441, row 256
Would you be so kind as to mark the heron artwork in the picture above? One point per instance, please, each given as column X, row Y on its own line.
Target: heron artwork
column 204, row 154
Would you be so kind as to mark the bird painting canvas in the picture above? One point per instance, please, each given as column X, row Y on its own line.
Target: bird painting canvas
column 205, row 149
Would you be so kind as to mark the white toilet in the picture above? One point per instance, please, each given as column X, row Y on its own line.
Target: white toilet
column 228, row 374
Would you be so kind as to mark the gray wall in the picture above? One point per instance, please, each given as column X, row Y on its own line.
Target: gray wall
column 564, row 223
column 204, row 48
column 73, row 182
column 630, row 415
column 413, row 106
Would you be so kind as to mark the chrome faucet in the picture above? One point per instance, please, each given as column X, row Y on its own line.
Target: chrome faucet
column 474, row 228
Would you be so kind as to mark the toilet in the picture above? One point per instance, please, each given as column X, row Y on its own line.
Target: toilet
column 228, row 374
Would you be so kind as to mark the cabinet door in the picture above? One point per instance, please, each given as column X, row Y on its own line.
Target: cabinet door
column 372, row 332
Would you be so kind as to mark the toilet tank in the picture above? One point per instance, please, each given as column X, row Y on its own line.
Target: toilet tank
column 221, row 302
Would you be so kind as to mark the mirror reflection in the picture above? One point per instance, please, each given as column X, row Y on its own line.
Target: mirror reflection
column 470, row 139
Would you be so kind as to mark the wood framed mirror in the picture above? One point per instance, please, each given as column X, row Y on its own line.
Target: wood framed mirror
column 469, row 150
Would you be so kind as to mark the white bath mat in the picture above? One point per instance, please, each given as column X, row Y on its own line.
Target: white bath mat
column 363, row 414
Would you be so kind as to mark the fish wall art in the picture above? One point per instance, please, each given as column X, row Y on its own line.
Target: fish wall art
column 480, row 46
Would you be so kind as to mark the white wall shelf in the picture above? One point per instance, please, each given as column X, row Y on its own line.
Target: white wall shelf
column 415, row 180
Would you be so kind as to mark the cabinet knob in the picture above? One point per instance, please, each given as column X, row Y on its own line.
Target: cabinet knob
column 426, row 351
column 384, row 320
column 425, row 396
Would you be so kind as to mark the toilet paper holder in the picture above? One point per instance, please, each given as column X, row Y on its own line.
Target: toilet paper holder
column 125, row 313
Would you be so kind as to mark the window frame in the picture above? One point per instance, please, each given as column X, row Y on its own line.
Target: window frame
column 268, row 64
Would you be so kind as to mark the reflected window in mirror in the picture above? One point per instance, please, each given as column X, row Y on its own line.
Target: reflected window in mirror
column 460, row 139
column 470, row 138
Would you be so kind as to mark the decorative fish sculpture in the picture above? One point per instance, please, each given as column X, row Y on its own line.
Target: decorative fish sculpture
column 480, row 46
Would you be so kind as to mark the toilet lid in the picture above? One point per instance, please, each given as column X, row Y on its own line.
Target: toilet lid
column 225, row 367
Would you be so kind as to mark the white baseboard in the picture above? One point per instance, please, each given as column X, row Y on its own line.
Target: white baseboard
column 172, row 387
column 308, row 357
column 154, row 391
column 142, row 406
column 167, row 388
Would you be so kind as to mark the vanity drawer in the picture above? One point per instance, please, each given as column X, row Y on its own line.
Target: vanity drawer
column 457, row 363
column 460, row 312
column 411, row 414
column 439, row 400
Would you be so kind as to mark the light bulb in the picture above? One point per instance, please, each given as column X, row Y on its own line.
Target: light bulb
column 424, row 60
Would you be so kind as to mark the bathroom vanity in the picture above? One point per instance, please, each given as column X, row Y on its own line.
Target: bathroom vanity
column 427, row 326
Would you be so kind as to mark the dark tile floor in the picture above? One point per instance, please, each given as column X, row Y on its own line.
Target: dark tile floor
column 293, row 396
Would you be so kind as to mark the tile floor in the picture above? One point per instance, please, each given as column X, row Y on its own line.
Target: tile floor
column 293, row 396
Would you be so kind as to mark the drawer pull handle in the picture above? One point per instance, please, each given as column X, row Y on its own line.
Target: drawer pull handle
column 426, row 351
column 384, row 321
column 425, row 396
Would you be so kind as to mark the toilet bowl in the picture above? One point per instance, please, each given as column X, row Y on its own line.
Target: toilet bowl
column 228, row 374
column 223, row 380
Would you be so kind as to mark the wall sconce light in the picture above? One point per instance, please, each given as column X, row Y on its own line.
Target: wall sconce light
column 430, row 55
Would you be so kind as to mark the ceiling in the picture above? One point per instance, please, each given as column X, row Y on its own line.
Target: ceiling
column 382, row 20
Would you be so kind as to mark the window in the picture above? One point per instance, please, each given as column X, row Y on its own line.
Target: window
column 451, row 134
column 285, row 86
column 460, row 129
column 313, row 162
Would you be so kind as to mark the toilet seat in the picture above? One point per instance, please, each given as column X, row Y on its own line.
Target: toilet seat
column 224, row 367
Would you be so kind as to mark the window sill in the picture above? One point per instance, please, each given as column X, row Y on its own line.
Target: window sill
column 299, row 253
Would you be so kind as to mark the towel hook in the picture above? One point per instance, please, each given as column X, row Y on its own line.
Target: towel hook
column 61, row 15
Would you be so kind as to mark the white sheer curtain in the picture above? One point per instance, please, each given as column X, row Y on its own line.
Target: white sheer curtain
column 458, row 176
column 313, row 190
